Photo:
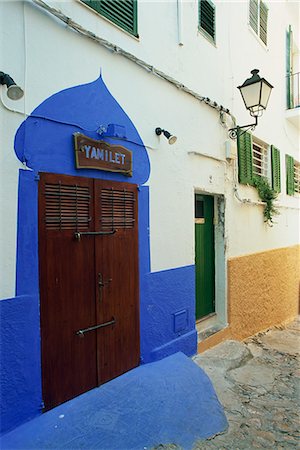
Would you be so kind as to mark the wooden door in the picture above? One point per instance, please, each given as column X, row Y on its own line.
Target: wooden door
column 88, row 283
column 204, row 255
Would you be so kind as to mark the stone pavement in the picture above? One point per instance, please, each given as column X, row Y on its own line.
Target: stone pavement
column 257, row 382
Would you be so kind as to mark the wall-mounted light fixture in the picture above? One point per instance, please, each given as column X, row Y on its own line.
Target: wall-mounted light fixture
column 256, row 93
column 171, row 139
column 14, row 92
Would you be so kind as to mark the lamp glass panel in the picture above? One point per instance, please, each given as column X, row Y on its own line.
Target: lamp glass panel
column 172, row 140
column 14, row 92
column 265, row 94
column 251, row 94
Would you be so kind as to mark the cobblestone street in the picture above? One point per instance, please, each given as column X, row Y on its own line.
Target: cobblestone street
column 257, row 382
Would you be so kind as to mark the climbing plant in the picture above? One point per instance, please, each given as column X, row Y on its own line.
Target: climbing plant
column 268, row 196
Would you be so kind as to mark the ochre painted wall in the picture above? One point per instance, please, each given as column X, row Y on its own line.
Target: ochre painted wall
column 263, row 290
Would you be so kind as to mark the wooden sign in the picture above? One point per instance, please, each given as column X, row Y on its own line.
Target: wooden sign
column 99, row 155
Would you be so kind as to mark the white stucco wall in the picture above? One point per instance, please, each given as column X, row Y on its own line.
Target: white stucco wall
column 46, row 59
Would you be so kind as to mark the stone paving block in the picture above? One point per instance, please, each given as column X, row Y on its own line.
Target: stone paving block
column 227, row 355
column 255, row 375
column 295, row 325
column 283, row 341
column 256, row 350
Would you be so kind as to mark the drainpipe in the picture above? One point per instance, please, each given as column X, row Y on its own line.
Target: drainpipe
column 179, row 22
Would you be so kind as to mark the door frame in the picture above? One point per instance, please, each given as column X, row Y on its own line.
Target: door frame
column 219, row 319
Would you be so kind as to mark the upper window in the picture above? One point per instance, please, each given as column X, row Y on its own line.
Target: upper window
column 258, row 18
column 258, row 159
column 122, row 12
column 292, row 71
column 207, row 18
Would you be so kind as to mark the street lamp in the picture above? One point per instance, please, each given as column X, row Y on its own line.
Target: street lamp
column 255, row 92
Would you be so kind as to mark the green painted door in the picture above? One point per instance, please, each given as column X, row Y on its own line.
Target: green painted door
column 204, row 255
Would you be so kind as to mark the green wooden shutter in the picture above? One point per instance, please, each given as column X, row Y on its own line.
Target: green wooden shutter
column 290, row 182
column 207, row 17
column 244, row 142
column 263, row 22
column 121, row 12
column 253, row 15
column 289, row 40
column 275, row 158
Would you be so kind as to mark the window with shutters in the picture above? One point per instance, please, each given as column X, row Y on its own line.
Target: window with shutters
column 292, row 70
column 121, row 12
column 258, row 159
column 297, row 177
column 206, row 19
column 258, row 19
column 292, row 175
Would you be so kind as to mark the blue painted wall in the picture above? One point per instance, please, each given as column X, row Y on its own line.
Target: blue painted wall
column 20, row 380
column 45, row 142
column 168, row 315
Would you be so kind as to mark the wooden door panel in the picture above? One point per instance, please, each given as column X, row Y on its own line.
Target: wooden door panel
column 67, row 287
column 117, row 260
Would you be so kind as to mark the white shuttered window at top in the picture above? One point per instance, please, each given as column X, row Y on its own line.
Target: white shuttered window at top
column 207, row 19
column 121, row 12
column 258, row 18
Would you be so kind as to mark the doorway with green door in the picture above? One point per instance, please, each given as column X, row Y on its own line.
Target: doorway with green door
column 204, row 256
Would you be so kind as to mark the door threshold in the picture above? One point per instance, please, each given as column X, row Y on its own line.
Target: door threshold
column 206, row 317
column 202, row 335
column 209, row 325
column 206, row 322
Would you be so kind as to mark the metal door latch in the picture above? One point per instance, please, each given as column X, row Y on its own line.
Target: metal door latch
column 102, row 283
column 81, row 333
column 78, row 234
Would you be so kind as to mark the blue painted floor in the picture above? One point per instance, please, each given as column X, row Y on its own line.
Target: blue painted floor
column 168, row 401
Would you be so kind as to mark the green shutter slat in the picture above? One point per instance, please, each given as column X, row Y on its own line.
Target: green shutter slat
column 275, row 158
column 253, row 15
column 117, row 10
column 207, row 17
column 121, row 12
column 290, row 182
column 244, row 142
column 289, row 99
column 96, row 5
column 263, row 20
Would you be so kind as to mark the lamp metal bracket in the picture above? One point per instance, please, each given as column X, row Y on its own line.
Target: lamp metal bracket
column 234, row 132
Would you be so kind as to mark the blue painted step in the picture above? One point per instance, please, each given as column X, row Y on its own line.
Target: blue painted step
column 168, row 401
